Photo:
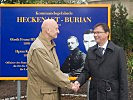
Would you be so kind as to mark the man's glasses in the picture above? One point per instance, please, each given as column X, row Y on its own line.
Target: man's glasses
column 98, row 32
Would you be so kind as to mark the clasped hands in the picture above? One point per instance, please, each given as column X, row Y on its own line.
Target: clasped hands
column 75, row 86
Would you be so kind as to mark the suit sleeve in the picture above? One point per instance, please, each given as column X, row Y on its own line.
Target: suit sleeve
column 48, row 71
column 123, row 76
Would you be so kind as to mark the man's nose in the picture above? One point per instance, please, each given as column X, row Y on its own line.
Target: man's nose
column 70, row 44
column 95, row 35
column 58, row 31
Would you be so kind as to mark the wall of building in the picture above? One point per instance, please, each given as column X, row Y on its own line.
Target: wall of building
column 127, row 3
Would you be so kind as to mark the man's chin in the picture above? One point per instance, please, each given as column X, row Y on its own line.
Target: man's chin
column 71, row 49
column 55, row 37
column 97, row 41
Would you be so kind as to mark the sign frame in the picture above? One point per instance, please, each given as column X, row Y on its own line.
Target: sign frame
column 108, row 6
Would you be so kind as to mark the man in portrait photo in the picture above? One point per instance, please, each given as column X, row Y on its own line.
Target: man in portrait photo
column 75, row 61
column 88, row 39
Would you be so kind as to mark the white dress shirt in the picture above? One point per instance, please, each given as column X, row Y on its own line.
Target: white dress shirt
column 104, row 46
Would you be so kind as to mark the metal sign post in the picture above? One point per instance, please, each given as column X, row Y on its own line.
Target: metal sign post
column 18, row 90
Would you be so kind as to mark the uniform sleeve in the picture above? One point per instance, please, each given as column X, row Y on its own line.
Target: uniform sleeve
column 80, row 62
column 85, row 75
column 82, row 59
column 123, row 76
column 47, row 71
column 65, row 67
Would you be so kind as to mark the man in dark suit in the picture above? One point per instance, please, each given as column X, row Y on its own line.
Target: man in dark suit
column 106, row 67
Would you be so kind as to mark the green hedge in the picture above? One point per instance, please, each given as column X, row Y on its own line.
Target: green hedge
column 130, row 65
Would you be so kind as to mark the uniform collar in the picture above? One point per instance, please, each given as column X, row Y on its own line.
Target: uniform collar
column 49, row 45
column 75, row 50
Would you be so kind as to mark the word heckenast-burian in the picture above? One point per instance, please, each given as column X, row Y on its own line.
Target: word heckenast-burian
column 57, row 19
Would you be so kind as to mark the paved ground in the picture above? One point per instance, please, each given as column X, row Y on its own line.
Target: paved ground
column 9, row 89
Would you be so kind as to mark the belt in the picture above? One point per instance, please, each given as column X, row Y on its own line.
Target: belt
column 107, row 84
column 103, row 85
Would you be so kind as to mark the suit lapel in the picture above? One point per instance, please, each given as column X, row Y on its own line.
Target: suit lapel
column 49, row 49
column 98, row 53
column 108, row 51
column 53, row 56
column 49, row 54
column 56, row 57
column 100, row 58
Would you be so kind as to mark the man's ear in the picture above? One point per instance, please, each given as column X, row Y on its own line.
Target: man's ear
column 48, row 30
column 108, row 35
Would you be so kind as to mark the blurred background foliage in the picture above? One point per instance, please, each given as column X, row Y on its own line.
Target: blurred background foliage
column 122, row 33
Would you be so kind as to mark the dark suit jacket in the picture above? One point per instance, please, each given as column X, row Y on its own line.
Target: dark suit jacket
column 108, row 72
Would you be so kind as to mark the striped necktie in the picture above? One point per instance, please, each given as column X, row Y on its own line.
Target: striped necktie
column 101, row 50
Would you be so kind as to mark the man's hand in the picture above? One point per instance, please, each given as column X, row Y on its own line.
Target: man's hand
column 76, row 86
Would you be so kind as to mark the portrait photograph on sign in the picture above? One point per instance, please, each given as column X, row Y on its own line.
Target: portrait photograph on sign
column 20, row 26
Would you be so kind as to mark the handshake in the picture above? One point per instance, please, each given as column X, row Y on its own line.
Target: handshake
column 75, row 86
